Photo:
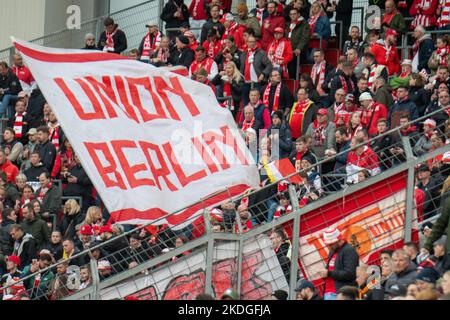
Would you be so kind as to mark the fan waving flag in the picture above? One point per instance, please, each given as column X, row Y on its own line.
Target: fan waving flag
column 157, row 146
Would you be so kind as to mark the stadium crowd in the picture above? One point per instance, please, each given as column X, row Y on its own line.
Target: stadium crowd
column 347, row 94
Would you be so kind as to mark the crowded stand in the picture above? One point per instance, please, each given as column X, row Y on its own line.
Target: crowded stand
column 340, row 108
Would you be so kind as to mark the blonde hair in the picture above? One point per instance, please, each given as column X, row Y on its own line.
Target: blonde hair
column 90, row 215
column 74, row 207
column 427, row 294
column 237, row 75
column 321, row 12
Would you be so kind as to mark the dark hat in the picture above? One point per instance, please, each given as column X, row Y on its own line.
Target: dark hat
column 280, row 295
column 429, row 275
column 303, row 284
column 309, row 158
column 211, row 33
column 279, row 114
column 442, row 241
column 426, row 225
column 184, row 40
column 423, row 167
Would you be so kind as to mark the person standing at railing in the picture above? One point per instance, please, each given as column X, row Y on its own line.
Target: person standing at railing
column 280, row 52
column 150, row 43
column 37, row 285
column 320, row 70
column 319, row 26
column 424, row 13
column 112, row 40
column 403, row 106
column 441, row 56
column 371, row 112
column 423, row 49
column 198, row 15
column 322, row 131
column 298, row 33
column 303, row 113
column 174, row 14
column 10, row 87
column 23, row 74
column 276, row 95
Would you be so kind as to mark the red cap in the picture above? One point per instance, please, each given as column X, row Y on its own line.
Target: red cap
column 278, row 30
column 105, row 229
column 14, row 259
column 323, row 112
column 391, row 32
column 86, row 230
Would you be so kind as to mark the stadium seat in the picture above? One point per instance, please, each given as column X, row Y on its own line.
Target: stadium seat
column 306, row 68
column 332, row 56
column 291, row 84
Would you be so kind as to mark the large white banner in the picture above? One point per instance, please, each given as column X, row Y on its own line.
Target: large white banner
column 151, row 141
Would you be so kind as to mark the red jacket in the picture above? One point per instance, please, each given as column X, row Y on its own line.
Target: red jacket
column 215, row 50
column 379, row 112
column 367, row 160
column 11, row 171
column 424, row 13
column 268, row 29
column 197, row 9
column 390, row 60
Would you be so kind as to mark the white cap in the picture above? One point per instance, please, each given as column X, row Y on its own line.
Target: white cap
column 430, row 122
column 407, row 62
column 104, row 265
column 331, row 236
column 365, row 96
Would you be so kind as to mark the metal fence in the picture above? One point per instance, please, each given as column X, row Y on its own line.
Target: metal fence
column 131, row 20
column 234, row 248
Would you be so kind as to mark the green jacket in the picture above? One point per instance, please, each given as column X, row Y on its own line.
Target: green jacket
column 300, row 35
column 442, row 223
column 397, row 82
column 42, row 289
column 398, row 24
column 39, row 230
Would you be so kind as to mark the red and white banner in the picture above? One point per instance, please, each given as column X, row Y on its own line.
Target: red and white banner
column 371, row 219
column 152, row 142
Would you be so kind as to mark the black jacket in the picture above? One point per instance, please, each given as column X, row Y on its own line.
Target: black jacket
column 52, row 200
column 6, row 242
column 286, row 98
column 285, row 139
column 419, row 96
column 344, row 273
column 120, row 41
column 170, row 9
column 26, row 249
column 47, row 152
column 68, row 224
column 35, row 108
column 11, row 83
column 83, row 187
column 284, row 261
column 34, row 172
column 336, row 84
column 236, row 88
column 439, row 117
column 185, row 57
column 209, row 25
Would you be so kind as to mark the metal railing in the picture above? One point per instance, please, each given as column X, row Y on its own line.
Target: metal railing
column 131, row 20
column 129, row 259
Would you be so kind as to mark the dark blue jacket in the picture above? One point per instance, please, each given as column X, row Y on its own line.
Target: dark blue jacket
column 341, row 159
column 405, row 106
column 323, row 27
column 426, row 49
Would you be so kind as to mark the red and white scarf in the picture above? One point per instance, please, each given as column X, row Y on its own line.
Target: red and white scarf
column 442, row 54
column 422, row 19
column 163, row 55
column 276, row 51
column 319, row 133
column 250, row 55
column 229, row 31
column 444, row 18
column 419, row 41
column 150, row 45
column 248, row 125
column 293, row 25
column 54, row 136
column 345, row 85
column 276, row 99
column 387, row 18
column 318, row 69
column 110, row 40
column 18, row 124
column 44, row 191
column 312, row 22
column 259, row 15
column 372, row 75
column 205, row 64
